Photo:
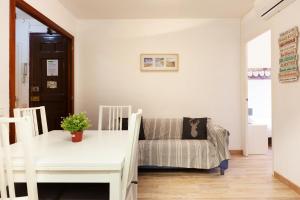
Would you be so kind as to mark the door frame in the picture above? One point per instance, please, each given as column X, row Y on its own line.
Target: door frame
column 21, row 4
column 245, row 90
column 245, row 100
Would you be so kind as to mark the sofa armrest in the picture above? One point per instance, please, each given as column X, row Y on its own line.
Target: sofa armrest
column 220, row 138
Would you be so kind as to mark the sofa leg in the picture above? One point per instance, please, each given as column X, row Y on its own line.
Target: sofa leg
column 223, row 166
column 222, row 171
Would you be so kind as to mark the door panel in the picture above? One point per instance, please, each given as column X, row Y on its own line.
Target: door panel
column 49, row 76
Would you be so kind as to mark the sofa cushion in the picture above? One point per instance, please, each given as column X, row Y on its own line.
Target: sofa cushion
column 194, row 128
column 162, row 129
column 178, row 153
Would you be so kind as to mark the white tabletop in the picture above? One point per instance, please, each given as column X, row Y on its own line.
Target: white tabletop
column 55, row 151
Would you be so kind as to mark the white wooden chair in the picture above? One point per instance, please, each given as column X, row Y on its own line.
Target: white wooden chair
column 6, row 169
column 111, row 117
column 33, row 113
column 129, row 179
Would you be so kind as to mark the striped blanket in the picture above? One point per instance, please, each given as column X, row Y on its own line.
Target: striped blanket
column 164, row 147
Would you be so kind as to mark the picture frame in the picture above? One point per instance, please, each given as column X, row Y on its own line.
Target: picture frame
column 159, row 62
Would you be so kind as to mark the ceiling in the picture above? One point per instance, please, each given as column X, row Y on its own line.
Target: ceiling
column 114, row 9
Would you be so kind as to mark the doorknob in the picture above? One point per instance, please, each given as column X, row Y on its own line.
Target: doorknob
column 35, row 89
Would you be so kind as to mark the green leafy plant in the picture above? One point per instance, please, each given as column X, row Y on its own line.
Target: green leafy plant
column 76, row 122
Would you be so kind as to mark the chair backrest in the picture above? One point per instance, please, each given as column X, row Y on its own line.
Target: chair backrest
column 130, row 164
column 111, row 117
column 6, row 160
column 33, row 114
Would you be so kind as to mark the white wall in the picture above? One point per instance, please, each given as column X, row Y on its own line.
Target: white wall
column 23, row 29
column 207, row 84
column 4, row 70
column 56, row 12
column 53, row 10
column 259, row 51
column 286, row 97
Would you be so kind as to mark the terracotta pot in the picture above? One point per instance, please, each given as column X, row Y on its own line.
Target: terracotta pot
column 77, row 136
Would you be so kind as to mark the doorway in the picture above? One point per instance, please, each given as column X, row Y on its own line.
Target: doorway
column 259, row 122
column 41, row 64
column 48, row 76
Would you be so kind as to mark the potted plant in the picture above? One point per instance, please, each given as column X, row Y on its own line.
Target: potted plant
column 76, row 124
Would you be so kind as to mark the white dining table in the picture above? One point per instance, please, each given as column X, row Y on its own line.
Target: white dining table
column 99, row 158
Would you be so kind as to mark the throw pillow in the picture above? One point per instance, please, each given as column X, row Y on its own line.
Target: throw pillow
column 125, row 127
column 194, row 128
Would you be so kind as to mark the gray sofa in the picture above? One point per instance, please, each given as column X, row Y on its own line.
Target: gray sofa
column 163, row 146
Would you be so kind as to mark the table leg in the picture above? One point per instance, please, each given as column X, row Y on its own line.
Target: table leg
column 115, row 189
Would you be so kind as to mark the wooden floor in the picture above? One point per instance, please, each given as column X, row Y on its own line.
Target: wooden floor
column 247, row 178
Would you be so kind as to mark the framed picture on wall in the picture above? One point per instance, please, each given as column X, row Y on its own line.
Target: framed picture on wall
column 159, row 62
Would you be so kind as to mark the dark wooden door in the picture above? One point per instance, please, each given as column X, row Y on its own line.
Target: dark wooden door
column 48, row 83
